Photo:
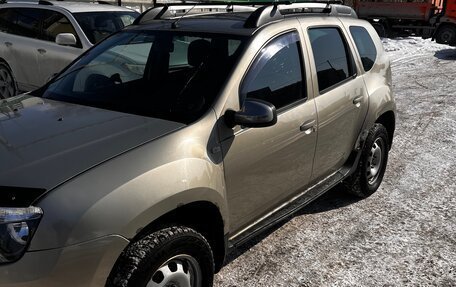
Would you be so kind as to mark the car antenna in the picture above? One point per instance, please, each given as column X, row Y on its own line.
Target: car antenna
column 174, row 24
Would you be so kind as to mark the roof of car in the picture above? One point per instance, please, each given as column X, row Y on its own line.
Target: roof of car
column 233, row 20
column 73, row 7
column 220, row 23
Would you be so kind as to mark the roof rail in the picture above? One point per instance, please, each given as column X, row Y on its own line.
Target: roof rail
column 262, row 16
column 332, row 8
column 103, row 2
column 173, row 10
column 45, row 2
column 267, row 12
column 277, row 10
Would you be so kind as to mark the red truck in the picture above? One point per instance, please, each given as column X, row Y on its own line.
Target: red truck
column 434, row 19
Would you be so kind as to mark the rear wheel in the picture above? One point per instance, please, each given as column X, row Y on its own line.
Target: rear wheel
column 446, row 35
column 171, row 257
column 372, row 164
column 7, row 84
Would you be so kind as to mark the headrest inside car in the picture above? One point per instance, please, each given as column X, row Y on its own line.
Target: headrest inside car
column 197, row 51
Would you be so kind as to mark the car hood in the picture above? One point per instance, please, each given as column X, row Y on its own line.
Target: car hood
column 44, row 143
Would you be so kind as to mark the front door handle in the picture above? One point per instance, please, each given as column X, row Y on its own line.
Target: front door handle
column 357, row 101
column 8, row 44
column 308, row 127
column 41, row 51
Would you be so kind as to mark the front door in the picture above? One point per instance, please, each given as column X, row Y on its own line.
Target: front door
column 264, row 166
column 52, row 58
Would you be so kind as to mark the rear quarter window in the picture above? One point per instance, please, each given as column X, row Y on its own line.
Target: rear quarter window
column 365, row 46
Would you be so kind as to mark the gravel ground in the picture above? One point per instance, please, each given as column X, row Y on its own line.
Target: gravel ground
column 404, row 234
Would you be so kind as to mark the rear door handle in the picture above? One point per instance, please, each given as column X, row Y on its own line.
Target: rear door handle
column 8, row 44
column 41, row 51
column 308, row 127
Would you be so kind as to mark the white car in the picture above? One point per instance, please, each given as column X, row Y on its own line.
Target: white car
column 37, row 40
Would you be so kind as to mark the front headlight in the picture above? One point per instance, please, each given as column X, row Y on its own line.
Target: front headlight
column 17, row 226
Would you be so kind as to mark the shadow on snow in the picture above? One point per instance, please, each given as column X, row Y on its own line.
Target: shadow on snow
column 446, row 54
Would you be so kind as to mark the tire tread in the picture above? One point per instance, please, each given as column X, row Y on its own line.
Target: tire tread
column 132, row 259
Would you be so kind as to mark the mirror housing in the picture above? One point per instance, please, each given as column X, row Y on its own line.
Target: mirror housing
column 65, row 39
column 254, row 114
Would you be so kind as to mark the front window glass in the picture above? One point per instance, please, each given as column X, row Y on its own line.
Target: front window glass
column 99, row 25
column 276, row 74
column 55, row 23
column 168, row 75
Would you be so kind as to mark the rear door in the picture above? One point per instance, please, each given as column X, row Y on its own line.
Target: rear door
column 21, row 46
column 7, row 21
column 341, row 97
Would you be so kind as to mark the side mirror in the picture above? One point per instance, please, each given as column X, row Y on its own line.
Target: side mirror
column 255, row 114
column 65, row 39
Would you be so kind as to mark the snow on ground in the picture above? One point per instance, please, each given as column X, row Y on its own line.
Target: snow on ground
column 403, row 235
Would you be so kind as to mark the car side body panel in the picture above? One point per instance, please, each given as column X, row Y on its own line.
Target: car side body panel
column 22, row 50
column 339, row 118
column 378, row 80
column 86, row 264
column 265, row 167
column 129, row 192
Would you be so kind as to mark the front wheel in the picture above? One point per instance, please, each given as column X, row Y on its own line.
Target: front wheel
column 7, row 84
column 372, row 164
column 171, row 257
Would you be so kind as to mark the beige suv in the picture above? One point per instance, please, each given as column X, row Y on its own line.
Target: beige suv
column 177, row 139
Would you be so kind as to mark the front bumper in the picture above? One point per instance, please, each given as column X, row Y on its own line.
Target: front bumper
column 85, row 264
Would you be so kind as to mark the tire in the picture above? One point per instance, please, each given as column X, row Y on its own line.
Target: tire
column 372, row 164
column 446, row 35
column 179, row 256
column 7, row 84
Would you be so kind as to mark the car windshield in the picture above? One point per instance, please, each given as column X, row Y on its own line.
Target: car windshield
column 163, row 74
column 99, row 25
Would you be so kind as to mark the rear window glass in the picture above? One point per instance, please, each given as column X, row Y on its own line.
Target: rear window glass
column 6, row 20
column 28, row 22
column 365, row 46
column 333, row 61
